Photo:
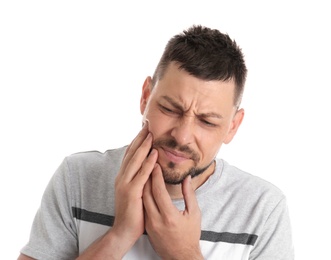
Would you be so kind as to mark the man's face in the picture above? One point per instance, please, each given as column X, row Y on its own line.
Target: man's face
column 190, row 119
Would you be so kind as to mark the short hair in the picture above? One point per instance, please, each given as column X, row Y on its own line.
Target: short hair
column 206, row 54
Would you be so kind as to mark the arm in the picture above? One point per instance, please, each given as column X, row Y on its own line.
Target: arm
column 129, row 225
column 24, row 257
column 173, row 234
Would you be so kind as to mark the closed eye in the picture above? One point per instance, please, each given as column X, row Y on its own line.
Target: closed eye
column 207, row 123
column 168, row 110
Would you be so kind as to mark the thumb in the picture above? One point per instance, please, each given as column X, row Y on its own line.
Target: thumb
column 191, row 202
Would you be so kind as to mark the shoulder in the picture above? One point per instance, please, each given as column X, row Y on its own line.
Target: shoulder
column 89, row 165
column 116, row 153
column 94, row 159
column 250, row 186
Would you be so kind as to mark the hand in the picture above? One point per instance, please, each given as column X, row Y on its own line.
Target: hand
column 128, row 226
column 173, row 234
column 135, row 170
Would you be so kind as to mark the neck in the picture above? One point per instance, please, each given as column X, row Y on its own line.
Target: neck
column 175, row 191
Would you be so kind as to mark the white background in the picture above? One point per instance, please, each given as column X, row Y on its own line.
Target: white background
column 71, row 73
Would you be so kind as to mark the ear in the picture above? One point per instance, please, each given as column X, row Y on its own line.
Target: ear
column 145, row 93
column 234, row 126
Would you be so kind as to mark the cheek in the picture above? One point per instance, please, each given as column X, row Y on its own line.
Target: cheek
column 158, row 123
column 210, row 148
column 210, row 143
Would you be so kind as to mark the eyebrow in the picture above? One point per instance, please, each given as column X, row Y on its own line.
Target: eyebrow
column 180, row 107
column 211, row 114
column 174, row 103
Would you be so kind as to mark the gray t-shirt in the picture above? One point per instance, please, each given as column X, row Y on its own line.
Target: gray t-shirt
column 243, row 216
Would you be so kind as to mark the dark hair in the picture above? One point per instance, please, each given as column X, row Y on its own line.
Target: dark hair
column 206, row 54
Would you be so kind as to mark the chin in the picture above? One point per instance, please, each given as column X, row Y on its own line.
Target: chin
column 172, row 175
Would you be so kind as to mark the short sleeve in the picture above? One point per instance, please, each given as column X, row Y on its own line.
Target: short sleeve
column 53, row 234
column 275, row 241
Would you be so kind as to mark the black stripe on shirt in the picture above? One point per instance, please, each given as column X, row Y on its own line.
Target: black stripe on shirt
column 93, row 217
column 234, row 238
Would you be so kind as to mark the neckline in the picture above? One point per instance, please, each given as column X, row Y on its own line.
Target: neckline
column 210, row 182
column 213, row 178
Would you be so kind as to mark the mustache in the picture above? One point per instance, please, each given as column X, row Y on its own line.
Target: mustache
column 173, row 144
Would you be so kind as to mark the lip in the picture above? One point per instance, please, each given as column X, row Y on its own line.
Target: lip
column 175, row 156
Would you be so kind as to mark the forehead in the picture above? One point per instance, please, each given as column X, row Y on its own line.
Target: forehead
column 193, row 92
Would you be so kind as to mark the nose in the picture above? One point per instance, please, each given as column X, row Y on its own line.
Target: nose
column 183, row 131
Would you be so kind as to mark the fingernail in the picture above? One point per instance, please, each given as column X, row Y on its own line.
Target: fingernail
column 145, row 123
column 153, row 152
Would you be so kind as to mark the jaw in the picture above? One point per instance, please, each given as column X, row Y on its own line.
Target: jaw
column 175, row 190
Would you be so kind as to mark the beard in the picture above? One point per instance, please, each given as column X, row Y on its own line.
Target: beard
column 172, row 175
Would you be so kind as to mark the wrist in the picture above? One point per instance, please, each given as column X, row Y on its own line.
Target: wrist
column 109, row 246
column 192, row 254
column 118, row 244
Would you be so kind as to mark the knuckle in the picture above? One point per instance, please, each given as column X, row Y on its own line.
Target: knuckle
column 169, row 220
column 153, row 225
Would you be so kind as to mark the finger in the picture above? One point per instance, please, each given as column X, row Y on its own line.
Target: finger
column 136, row 142
column 146, row 169
column 148, row 199
column 135, row 163
column 190, row 199
column 160, row 193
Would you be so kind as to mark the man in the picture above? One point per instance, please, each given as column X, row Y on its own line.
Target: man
column 166, row 195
